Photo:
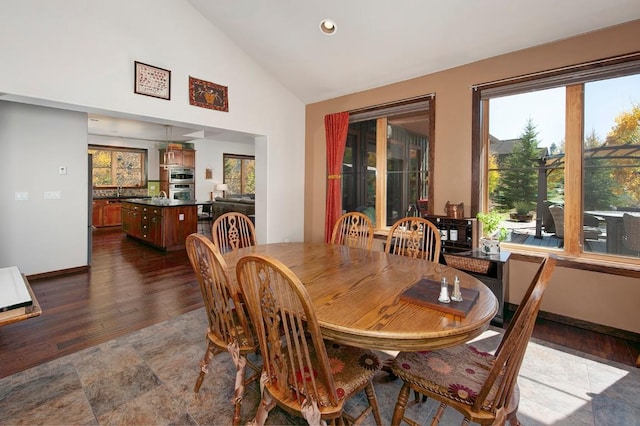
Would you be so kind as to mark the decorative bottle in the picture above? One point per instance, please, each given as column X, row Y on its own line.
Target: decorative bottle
column 444, row 232
column 453, row 232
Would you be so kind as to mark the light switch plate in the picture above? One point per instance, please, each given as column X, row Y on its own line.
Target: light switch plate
column 52, row 195
column 22, row 196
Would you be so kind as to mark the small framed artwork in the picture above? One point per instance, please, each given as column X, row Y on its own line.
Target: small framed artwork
column 208, row 95
column 152, row 81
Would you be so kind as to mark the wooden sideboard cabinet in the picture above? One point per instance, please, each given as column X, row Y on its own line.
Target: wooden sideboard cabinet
column 165, row 227
column 456, row 234
column 492, row 270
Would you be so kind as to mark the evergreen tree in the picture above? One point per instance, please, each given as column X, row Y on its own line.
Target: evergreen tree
column 519, row 179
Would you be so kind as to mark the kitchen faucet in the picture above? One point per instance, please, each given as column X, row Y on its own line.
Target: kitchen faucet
column 162, row 194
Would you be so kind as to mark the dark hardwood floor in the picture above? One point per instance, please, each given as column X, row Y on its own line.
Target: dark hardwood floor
column 131, row 286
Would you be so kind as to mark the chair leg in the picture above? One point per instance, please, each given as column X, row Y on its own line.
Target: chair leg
column 417, row 399
column 373, row 402
column 401, row 404
column 439, row 413
column 204, row 365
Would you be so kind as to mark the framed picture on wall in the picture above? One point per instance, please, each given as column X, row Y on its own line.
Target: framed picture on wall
column 152, row 81
column 208, row 95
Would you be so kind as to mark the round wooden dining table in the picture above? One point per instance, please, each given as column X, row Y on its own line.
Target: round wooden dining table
column 356, row 294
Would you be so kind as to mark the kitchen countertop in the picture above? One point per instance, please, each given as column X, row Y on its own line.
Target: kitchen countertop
column 122, row 197
column 162, row 202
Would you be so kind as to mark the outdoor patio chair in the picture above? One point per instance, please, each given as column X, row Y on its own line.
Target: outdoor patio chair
column 588, row 232
column 631, row 236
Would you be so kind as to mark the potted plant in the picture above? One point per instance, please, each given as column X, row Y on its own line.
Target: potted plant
column 492, row 231
column 523, row 211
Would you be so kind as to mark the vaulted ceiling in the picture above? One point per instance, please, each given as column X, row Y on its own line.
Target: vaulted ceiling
column 379, row 42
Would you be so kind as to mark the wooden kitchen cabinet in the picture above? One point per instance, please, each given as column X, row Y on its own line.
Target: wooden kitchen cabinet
column 106, row 212
column 178, row 157
column 131, row 223
column 112, row 214
column 164, row 227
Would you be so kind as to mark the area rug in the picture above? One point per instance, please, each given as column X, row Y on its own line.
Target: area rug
column 147, row 378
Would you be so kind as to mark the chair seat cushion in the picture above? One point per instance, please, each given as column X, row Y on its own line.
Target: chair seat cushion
column 352, row 368
column 456, row 373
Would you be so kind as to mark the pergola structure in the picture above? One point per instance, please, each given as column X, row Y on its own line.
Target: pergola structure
column 548, row 163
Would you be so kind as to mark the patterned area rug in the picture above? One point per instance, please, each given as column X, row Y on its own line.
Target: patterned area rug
column 147, row 378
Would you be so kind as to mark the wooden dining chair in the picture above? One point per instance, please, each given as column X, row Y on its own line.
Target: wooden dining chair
column 303, row 374
column 353, row 229
column 482, row 386
column 414, row 237
column 229, row 325
column 232, row 231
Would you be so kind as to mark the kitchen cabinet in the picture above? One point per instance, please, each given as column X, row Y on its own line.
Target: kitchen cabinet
column 131, row 223
column 106, row 212
column 178, row 157
column 165, row 227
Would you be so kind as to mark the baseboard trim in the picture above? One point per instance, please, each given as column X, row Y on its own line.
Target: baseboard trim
column 598, row 328
column 58, row 273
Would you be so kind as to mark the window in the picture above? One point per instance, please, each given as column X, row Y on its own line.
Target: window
column 117, row 166
column 562, row 157
column 387, row 160
column 240, row 173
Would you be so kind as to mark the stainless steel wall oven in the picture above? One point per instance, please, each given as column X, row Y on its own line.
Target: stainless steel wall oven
column 181, row 175
column 182, row 191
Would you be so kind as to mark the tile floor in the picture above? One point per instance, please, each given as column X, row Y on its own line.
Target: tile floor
column 147, row 378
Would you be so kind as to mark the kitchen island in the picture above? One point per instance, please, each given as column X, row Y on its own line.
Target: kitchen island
column 160, row 222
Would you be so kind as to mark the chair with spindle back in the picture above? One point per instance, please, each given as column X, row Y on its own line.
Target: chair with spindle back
column 483, row 387
column 232, row 231
column 303, row 374
column 229, row 326
column 414, row 237
column 353, row 229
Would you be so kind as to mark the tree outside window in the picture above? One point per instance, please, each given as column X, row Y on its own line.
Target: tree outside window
column 578, row 148
column 117, row 166
column 240, row 173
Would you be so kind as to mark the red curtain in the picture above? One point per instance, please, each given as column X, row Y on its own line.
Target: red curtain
column 336, row 127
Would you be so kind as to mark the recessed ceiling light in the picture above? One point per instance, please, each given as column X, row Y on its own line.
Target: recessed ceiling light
column 327, row 26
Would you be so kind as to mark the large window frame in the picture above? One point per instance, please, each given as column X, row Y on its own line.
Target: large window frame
column 573, row 79
column 239, row 173
column 384, row 117
column 132, row 174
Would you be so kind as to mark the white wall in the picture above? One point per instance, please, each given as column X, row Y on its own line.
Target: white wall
column 41, row 235
column 79, row 55
column 209, row 155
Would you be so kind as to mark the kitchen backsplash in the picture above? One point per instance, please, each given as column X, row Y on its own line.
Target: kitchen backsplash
column 125, row 192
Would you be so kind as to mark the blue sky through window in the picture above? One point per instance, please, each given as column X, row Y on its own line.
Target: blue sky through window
column 604, row 100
